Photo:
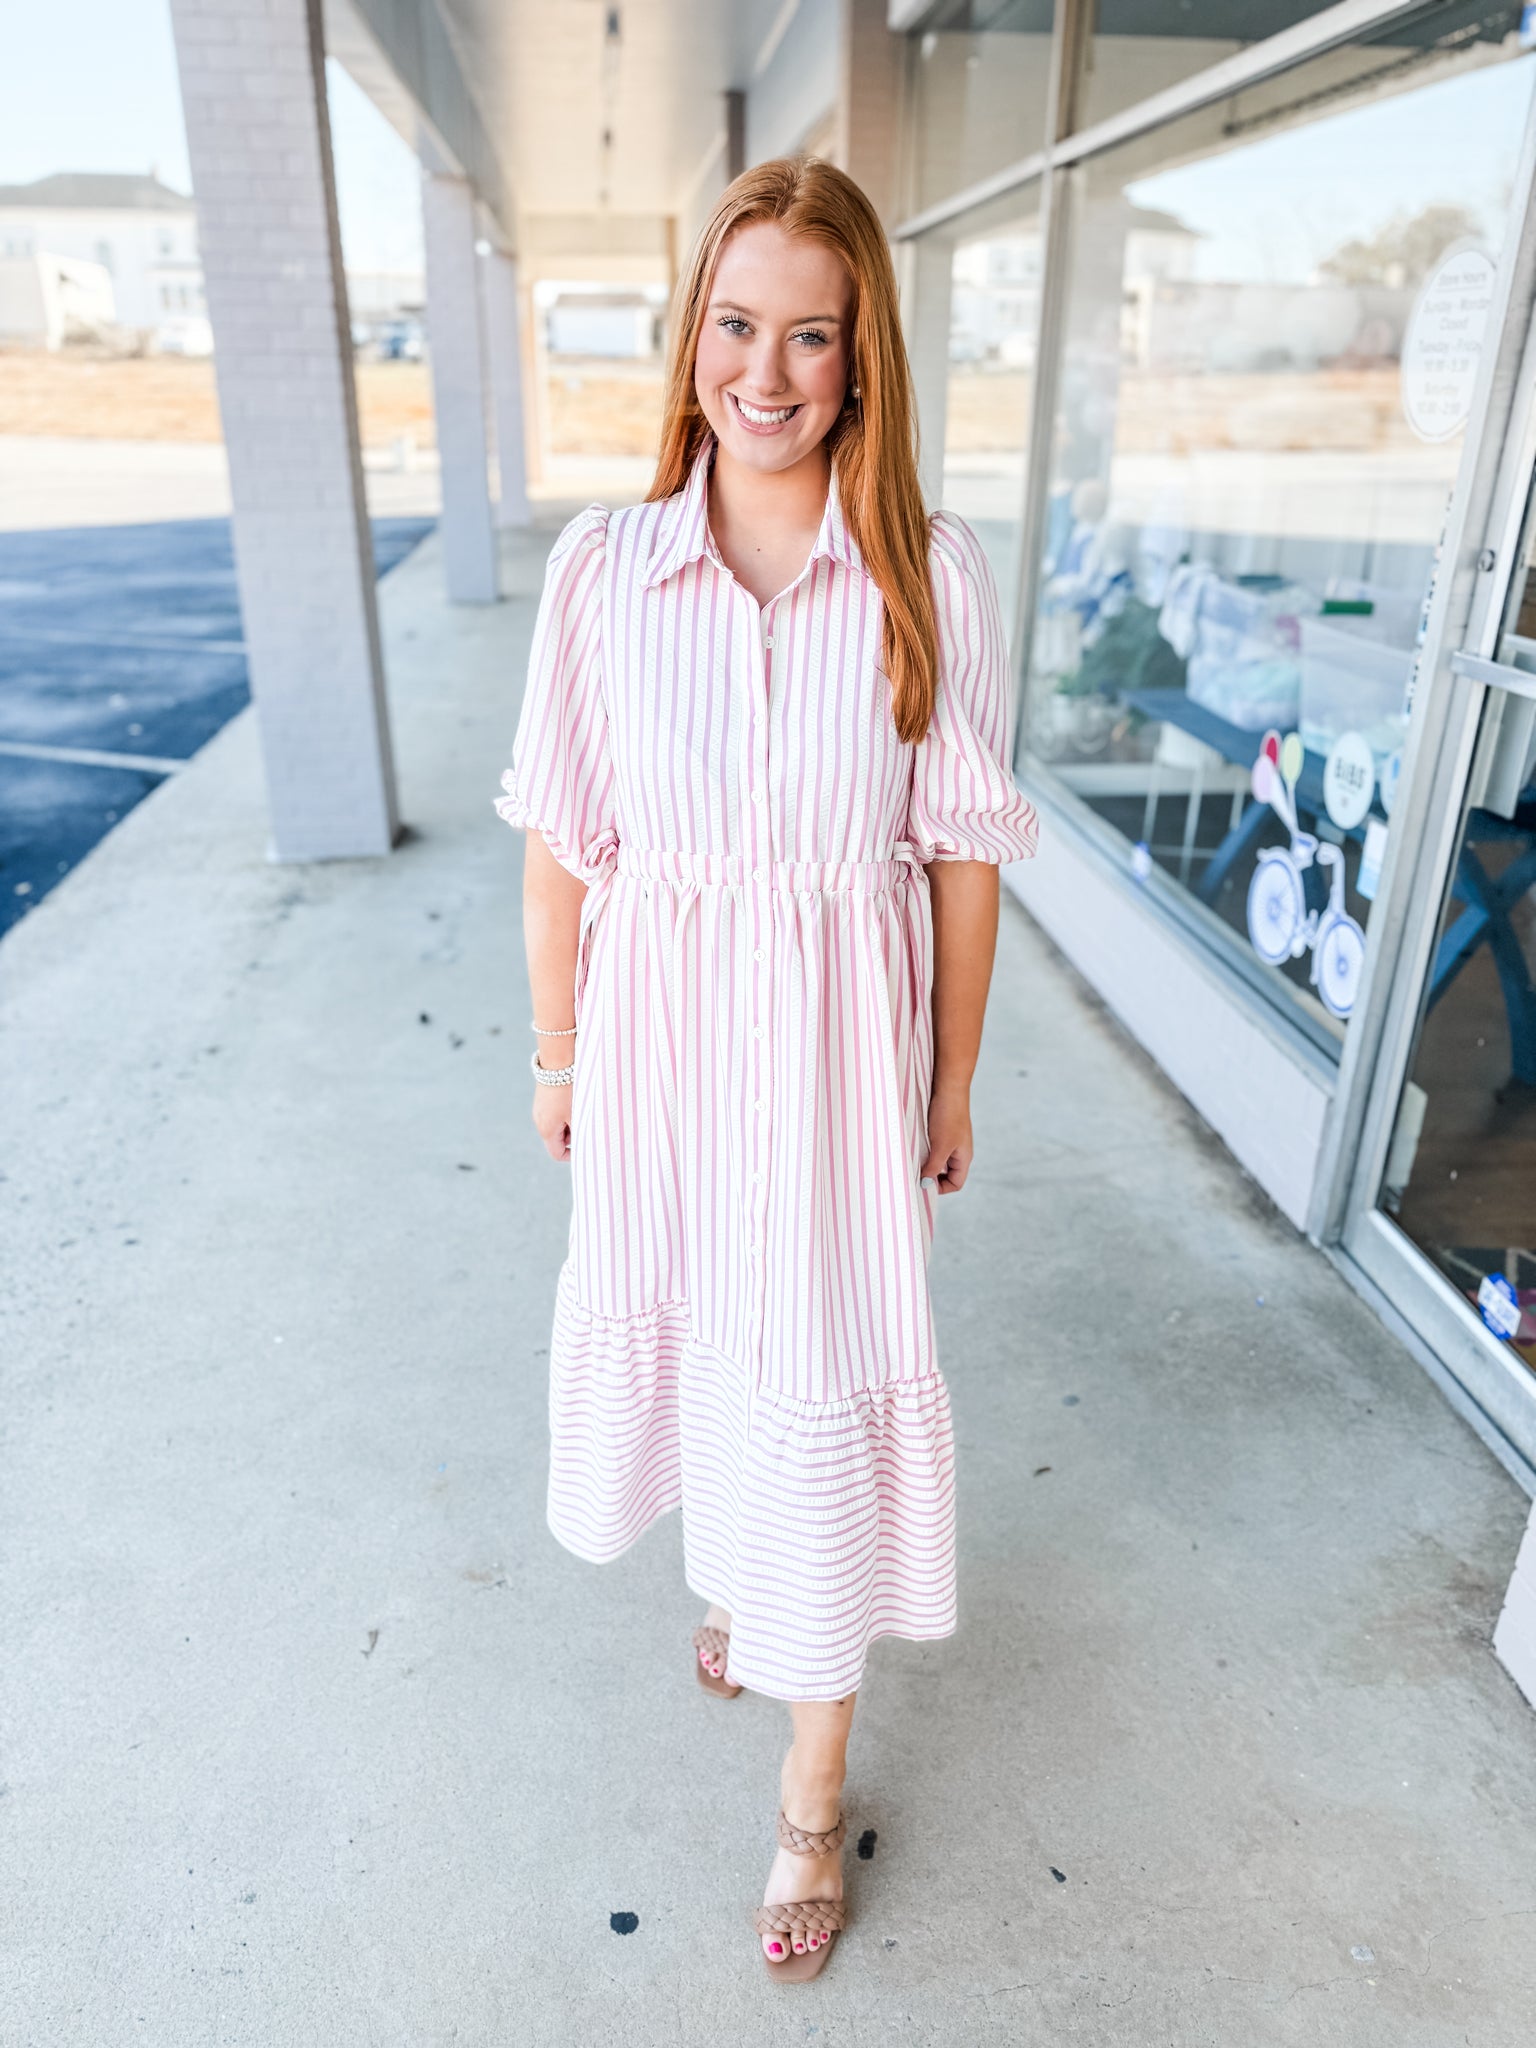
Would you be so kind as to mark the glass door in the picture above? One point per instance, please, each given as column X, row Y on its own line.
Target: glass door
column 1430, row 1191
column 1444, row 1219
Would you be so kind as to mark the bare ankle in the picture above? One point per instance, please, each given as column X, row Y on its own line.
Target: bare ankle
column 812, row 1791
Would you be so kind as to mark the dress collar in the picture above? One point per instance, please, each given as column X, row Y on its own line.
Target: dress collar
column 684, row 535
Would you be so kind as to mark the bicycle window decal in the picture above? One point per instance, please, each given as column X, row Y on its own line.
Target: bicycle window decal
column 1281, row 924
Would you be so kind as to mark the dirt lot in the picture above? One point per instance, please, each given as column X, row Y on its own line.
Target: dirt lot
column 1160, row 412
column 604, row 408
column 172, row 398
column 592, row 409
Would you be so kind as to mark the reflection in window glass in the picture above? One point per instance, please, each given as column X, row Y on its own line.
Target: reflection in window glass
column 1143, row 46
column 1461, row 1169
column 978, row 98
column 993, row 337
column 1268, row 353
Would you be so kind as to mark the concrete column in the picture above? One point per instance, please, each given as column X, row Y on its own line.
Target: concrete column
column 540, row 444
column 459, row 386
column 258, row 132
column 925, row 270
column 504, row 349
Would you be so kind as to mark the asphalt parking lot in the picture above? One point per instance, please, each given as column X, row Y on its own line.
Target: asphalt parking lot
column 121, row 653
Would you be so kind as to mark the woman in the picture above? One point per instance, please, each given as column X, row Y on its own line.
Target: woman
column 761, row 765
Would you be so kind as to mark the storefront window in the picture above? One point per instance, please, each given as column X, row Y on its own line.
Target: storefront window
column 979, row 89
column 994, row 322
column 1140, row 47
column 1269, row 345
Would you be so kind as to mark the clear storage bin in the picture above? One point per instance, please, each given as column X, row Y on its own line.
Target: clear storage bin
column 1352, row 681
column 1245, row 664
column 1394, row 615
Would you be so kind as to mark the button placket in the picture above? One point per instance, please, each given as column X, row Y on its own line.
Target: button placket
column 759, row 896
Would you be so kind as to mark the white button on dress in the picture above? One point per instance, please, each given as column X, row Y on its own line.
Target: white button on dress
column 742, row 1322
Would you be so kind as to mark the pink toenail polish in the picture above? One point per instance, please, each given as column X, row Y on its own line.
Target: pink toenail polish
column 777, row 1949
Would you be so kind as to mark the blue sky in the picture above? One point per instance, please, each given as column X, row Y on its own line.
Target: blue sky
column 1273, row 208
column 90, row 85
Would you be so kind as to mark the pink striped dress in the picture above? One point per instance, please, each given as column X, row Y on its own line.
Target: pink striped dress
column 742, row 1323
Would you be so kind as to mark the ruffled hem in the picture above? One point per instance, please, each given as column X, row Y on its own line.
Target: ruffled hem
column 821, row 1526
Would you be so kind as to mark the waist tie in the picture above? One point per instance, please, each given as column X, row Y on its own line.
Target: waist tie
column 798, row 877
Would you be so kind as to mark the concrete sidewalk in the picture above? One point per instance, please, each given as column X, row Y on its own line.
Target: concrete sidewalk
column 53, row 480
column 314, row 1734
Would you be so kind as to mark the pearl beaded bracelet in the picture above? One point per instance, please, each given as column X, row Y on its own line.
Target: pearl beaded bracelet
column 552, row 1077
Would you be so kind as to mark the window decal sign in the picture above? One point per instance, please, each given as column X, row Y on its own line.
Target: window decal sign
column 1349, row 779
column 1443, row 343
column 1500, row 1305
column 1372, row 854
column 1391, row 776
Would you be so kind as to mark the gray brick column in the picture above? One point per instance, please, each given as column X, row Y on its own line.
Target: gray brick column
column 504, row 349
column 866, row 137
column 459, row 386
column 258, row 132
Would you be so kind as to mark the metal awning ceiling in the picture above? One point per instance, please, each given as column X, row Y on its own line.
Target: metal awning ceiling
column 597, row 106
column 564, row 109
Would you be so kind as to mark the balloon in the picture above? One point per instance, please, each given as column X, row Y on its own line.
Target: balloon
column 1263, row 779
column 1270, row 745
column 1292, row 755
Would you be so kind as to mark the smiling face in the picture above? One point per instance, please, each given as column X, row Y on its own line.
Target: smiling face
column 771, row 371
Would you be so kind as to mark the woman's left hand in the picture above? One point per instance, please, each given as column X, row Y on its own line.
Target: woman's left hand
column 950, row 1146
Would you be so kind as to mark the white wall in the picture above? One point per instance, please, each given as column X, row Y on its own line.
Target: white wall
column 1259, row 1095
column 1514, row 1639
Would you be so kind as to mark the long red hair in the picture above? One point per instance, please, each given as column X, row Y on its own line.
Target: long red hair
column 872, row 443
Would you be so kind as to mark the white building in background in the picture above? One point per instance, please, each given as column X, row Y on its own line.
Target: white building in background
column 140, row 232
column 65, row 237
column 46, row 300
column 583, row 321
column 374, row 295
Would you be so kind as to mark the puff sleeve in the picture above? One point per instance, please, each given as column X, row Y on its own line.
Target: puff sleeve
column 561, row 781
column 965, row 804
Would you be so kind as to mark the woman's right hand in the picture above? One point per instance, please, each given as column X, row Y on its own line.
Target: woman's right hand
column 552, row 1119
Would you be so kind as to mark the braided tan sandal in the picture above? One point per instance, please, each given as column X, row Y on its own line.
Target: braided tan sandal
column 803, row 1917
column 715, row 1643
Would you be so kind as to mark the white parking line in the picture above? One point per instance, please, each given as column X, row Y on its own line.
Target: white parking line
column 152, row 643
column 91, row 757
